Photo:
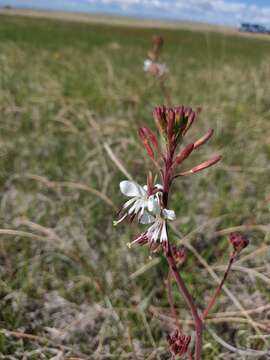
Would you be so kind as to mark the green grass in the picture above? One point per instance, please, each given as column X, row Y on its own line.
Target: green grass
column 66, row 89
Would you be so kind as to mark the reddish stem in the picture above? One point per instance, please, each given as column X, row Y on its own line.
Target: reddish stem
column 167, row 180
column 188, row 298
column 171, row 302
column 219, row 288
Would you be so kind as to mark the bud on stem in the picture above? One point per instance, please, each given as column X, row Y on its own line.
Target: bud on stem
column 145, row 142
column 148, row 138
column 184, row 154
column 238, row 241
column 203, row 139
column 204, row 165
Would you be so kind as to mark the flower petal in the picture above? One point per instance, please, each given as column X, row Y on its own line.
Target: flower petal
column 147, row 64
column 146, row 218
column 128, row 203
column 131, row 188
column 153, row 205
column 163, row 235
column 155, row 234
column 169, row 214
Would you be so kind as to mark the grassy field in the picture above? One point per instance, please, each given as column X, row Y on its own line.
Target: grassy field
column 71, row 99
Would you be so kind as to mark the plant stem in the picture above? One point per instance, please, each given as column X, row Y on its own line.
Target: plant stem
column 167, row 178
column 190, row 303
column 219, row 288
column 165, row 92
column 167, row 181
column 171, row 302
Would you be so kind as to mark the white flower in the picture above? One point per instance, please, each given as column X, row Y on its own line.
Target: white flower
column 162, row 70
column 139, row 203
column 155, row 68
column 157, row 232
column 147, row 65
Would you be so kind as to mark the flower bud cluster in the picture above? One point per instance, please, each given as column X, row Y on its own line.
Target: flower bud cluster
column 154, row 68
column 178, row 343
column 173, row 123
column 149, row 203
column 179, row 254
column 238, row 241
column 152, row 64
column 157, row 44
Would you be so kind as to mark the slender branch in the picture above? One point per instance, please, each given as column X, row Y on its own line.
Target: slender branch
column 190, row 303
column 171, row 302
column 165, row 92
column 219, row 288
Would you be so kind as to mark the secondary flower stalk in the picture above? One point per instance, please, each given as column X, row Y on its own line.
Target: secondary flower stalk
column 156, row 69
column 239, row 242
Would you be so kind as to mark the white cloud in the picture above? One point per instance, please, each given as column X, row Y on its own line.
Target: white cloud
column 215, row 11
column 208, row 10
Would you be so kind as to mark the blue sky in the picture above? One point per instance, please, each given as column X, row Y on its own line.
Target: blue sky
column 230, row 12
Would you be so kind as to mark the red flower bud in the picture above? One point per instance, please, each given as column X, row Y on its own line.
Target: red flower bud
column 184, row 154
column 238, row 241
column 157, row 41
column 179, row 113
column 170, row 123
column 160, row 119
column 204, row 165
column 179, row 255
column 150, row 183
column 188, row 111
column 151, row 137
column 178, row 343
column 203, row 139
column 145, row 142
column 191, row 118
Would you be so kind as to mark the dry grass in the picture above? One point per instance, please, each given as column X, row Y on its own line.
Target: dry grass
column 70, row 288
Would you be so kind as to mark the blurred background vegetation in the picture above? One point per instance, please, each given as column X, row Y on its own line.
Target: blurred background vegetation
column 72, row 97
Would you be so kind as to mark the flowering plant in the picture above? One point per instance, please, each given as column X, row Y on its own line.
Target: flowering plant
column 153, row 66
column 149, row 204
column 155, row 69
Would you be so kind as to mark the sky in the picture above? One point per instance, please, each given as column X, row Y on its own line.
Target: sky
column 228, row 12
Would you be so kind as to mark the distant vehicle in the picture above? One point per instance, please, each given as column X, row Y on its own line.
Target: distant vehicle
column 254, row 28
